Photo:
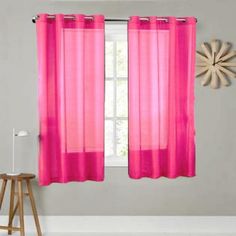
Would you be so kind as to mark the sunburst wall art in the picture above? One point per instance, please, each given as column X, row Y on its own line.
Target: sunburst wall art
column 214, row 64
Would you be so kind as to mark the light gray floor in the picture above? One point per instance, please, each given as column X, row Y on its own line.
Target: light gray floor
column 128, row 234
column 137, row 234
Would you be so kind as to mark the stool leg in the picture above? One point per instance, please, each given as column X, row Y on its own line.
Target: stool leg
column 21, row 208
column 11, row 209
column 3, row 189
column 14, row 211
column 31, row 196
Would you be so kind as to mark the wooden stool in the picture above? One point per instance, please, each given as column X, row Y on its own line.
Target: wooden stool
column 18, row 180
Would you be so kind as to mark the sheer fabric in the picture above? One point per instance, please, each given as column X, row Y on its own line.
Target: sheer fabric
column 161, row 97
column 71, row 98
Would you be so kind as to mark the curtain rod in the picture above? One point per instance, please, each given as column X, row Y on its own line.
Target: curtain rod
column 35, row 18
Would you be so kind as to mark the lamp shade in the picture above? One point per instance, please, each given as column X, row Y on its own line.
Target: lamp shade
column 22, row 133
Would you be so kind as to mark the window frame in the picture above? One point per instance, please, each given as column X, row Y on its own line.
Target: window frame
column 115, row 32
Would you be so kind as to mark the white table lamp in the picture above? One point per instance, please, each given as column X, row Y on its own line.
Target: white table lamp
column 21, row 133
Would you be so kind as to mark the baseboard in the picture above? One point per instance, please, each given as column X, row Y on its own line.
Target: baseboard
column 129, row 224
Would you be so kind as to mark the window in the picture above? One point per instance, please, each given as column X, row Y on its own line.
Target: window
column 116, row 103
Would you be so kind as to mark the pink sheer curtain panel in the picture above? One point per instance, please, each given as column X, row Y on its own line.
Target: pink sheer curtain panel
column 161, row 97
column 71, row 98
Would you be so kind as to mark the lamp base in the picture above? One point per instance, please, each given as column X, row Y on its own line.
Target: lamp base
column 13, row 174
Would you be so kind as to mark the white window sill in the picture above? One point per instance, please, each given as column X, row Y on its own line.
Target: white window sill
column 116, row 162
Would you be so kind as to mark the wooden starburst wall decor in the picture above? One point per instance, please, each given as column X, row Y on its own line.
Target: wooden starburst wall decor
column 214, row 64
